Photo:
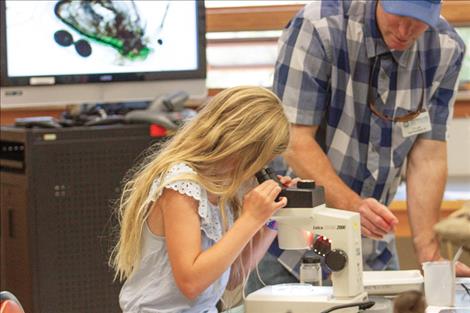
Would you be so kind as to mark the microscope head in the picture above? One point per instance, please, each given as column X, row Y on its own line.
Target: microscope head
column 306, row 223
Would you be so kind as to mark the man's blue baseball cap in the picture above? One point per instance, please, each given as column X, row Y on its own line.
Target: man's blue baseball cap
column 427, row 11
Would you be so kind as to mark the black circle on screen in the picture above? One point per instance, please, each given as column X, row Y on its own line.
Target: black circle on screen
column 63, row 38
column 83, row 48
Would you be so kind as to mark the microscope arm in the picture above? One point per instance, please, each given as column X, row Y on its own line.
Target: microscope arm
column 297, row 227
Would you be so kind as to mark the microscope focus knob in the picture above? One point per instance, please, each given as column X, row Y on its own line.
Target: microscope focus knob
column 336, row 260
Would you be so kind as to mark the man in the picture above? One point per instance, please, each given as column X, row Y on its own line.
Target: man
column 366, row 86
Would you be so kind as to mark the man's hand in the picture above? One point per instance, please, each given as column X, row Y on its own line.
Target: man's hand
column 462, row 270
column 376, row 219
column 287, row 181
column 431, row 253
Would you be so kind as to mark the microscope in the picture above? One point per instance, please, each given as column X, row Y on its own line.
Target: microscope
column 306, row 223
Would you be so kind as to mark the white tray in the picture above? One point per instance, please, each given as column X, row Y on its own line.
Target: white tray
column 392, row 282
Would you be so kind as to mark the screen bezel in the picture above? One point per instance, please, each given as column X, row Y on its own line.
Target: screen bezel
column 200, row 72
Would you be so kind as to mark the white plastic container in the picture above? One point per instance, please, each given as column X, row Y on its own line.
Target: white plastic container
column 439, row 283
column 392, row 282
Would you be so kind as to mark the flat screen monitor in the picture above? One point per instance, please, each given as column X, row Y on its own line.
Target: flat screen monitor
column 81, row 51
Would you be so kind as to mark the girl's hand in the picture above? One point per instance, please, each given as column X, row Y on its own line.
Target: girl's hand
column 260, row 202
column 287, row 181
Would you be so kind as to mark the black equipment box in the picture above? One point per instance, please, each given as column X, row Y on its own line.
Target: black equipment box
column 58, row 188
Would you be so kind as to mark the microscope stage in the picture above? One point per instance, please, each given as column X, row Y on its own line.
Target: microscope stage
column 296, row 298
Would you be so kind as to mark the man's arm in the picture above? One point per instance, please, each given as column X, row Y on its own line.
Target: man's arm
column 426, row 176
column 308, row 160
column 427, row 160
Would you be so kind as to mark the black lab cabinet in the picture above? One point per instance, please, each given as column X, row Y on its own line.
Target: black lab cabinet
column 58, row 187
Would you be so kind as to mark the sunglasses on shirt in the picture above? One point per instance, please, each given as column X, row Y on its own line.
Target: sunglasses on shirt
column 403, row 118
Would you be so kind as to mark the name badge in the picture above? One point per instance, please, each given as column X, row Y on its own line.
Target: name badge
column 421, row 124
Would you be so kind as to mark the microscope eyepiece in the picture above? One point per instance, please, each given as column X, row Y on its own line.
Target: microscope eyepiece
column 263, row 175
column 267, row 174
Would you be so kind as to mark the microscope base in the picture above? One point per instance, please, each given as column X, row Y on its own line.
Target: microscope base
column 297, row 298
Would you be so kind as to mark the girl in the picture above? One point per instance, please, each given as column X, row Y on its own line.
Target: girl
column 183, row 219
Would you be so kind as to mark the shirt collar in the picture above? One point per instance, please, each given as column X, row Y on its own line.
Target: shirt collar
column 375, row 45
column 403, row 58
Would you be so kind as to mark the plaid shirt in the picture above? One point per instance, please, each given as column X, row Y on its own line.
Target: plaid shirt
column 322, row 77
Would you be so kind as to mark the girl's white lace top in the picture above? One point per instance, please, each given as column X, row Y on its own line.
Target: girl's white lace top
column 152, row 288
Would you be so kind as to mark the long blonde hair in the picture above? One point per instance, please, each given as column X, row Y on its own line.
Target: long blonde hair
column 241, row 126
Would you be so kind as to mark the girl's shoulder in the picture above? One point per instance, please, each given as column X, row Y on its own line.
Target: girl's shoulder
column 178, row 169
column 176, row 178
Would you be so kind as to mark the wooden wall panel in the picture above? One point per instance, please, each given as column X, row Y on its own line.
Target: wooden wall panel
column 277, row 16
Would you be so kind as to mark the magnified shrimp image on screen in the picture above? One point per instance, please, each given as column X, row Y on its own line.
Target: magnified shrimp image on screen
column 113, row 23
column 101, row 37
